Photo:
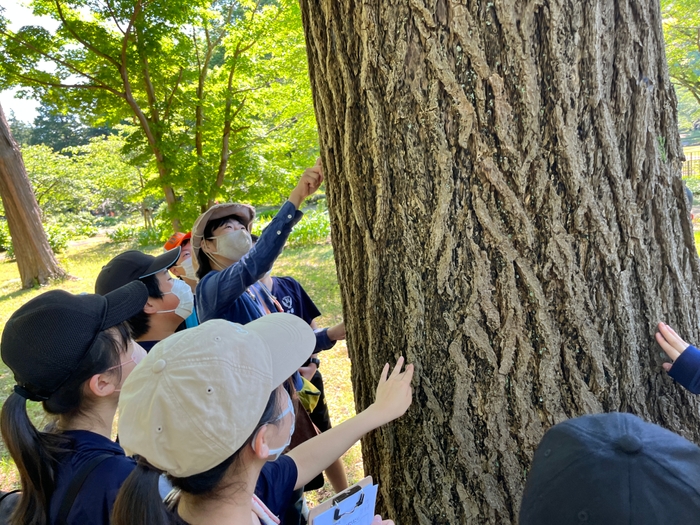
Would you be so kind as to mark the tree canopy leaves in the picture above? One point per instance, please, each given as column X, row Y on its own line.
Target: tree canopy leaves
column 218, row 91
column 681, row 23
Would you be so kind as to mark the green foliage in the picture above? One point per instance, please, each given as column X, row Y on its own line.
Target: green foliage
column 681, row 20
column 5, row 239
column 57, row 235
column 151, row 237
column 95, row 177
column 688, row 114
column 138, row 234
column 124, row 233
column 21, row 131
column 60, row 131
column 218, row 89
column 313, row 228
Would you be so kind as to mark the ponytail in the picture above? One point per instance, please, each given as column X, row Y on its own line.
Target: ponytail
column 36, row 455
column 139, row 501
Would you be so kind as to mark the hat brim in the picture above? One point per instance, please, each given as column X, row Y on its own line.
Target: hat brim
column 163, row 262
column 124, row 303
column 244, row 211
column 289, row 340
column 181, row 239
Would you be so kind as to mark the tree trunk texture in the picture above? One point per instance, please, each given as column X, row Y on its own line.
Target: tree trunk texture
column 35, row 259
column 507, row 212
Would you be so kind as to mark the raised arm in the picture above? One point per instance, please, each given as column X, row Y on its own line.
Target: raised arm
column 394, row 395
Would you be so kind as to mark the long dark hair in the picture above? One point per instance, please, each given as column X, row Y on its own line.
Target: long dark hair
column 37, row 454
column 139, row 500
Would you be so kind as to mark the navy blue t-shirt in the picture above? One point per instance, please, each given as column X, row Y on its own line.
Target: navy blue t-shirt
column 294, row 299
column 148, row 345
column 94, row 502
column 275, row 486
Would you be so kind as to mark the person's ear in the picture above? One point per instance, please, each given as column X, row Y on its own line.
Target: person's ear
column 150, row 307
column 102, row 385
column 260, row 448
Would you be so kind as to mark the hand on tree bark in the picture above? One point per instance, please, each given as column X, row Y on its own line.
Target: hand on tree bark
column 310, row 181
column 379, row 521
column 671, row 343
column 394, row 394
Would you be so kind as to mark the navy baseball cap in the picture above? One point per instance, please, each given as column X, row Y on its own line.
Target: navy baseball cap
column 46, row 339
column 132, row 266
column 607, row 469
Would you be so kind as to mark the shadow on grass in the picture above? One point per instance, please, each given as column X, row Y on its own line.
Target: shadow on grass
column 21, row 292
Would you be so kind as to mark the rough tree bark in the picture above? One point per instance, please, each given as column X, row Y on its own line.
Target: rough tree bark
column 35, row 259
column 507, row 212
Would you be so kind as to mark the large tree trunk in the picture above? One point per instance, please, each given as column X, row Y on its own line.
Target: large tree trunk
column 507, row 212
column 35, row 260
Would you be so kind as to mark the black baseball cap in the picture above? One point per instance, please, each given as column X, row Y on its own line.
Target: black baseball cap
column 605, row 469
column 46, row 339
column 131, row 266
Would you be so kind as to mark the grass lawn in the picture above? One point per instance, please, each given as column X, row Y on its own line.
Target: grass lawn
column 313, row 267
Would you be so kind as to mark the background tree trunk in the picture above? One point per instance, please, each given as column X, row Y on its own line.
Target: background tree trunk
column 507, row 211
column 35, row 260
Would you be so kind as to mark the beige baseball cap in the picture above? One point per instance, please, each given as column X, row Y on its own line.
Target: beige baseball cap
column 244, row 211
column 199, row 394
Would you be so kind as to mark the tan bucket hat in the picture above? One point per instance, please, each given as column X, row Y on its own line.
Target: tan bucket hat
column 199, row 394
column 244, row 211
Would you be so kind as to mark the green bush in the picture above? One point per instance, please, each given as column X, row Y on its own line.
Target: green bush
column 149, row 237
column 5, row 239
column 313, row 228
column 124, row 233
column 139, row 234
column 58, row 237
column 56, row 234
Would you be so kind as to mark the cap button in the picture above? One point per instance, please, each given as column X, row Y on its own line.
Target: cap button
column 629, row 444
column 159, row 366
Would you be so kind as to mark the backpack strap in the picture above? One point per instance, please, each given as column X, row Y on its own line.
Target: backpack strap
column 75, row 485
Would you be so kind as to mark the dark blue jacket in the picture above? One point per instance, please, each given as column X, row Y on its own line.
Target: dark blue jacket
column 686, row 369
column 223, row 294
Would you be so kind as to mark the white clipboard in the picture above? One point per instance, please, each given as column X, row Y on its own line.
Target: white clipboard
column 353, row 506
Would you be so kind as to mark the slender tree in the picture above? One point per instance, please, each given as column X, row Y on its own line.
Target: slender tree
column 506, row 211
column 35, row 260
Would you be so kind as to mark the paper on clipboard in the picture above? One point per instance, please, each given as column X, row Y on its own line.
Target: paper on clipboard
column 353, row 506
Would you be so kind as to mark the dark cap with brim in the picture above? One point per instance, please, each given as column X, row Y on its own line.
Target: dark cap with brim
column 46, row 339
column 613, row 468
column 132, row 266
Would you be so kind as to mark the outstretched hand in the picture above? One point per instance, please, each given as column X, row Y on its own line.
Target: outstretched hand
column 394, row 393
column 379, row 521
column 337, row 332
column 671, row 343
column 309, row 182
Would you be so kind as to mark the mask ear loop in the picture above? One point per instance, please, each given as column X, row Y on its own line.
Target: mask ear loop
column 212, row 259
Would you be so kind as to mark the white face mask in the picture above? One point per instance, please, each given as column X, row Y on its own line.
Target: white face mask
column 277, row 452
column 182, row 291
column 187, row 267
column 233, row 245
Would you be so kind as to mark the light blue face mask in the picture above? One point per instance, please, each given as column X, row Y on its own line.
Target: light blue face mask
column 277, row 452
